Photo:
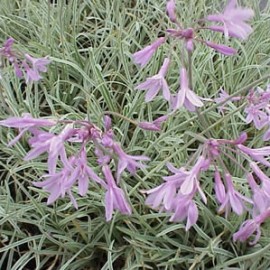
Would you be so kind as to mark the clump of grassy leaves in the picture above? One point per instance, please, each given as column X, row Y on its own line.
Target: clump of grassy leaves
column 90, row 43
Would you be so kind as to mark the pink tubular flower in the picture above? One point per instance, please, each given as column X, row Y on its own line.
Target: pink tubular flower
column 185, row 208
column 226, row 50
column 6, row 50
column 241, row 139
column 60, row 183
column 143, row 56
column 261, row 196
column 57, row 185
column 165, row 193
column 233, row 199
column 223, row 95
column 170, row 7
column 234, row 21
column 25, row 123
column 185, row 96
column 257, row 154
column 155, row 83
column 250, row 226
column 115, row 197
column 37, row 65
column 219, row 188
column 176, row 194
column 191, row 183
column 155, row 125
column 43, row 142
column 246, row 230
column 265, row 180
column 126, row 161
column 177, row 189
column 82, row 173
column 256, row 115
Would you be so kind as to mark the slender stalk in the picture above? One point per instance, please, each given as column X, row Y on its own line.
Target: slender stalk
column 190, row 70
column 121, row 116
column 202, row 120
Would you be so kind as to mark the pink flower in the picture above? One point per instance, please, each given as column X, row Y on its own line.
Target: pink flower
column 226, row 50
column 265, row 180
column 126, row 161
column 175, row 195
column 250, row 226
column 60, row 183
column 155, row 125
column 57, row 185
column 165, row 193
column 233, row 199
column 185, row 96
column 219, row 188
column 256, row 115
column 114, row 197
column 257, row 154
column 246, row 230
column 185, row 208
column 266, row 135
column 37, row 65
column 234, row 21
column 260, row 197
column 25, row 123
column 224, row 99
column 170, row 7
column 191, row 183
column 143, row 56
column 43, row 142
column 241, row 139
column 155, row 83
column 82, row 173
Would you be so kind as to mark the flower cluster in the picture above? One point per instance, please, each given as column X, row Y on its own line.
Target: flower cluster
column 25, row 64
column 75, row 169
column 234, row 24
column 176, row 195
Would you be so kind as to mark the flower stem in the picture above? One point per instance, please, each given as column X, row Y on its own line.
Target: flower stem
column 121, row 116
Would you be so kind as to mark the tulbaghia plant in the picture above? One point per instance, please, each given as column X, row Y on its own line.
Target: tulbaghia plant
column 181, row 189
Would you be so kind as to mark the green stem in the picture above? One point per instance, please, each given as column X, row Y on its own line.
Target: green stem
column 202, row 120
column 121, row 116
column 190, row 70
column 196, row 136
